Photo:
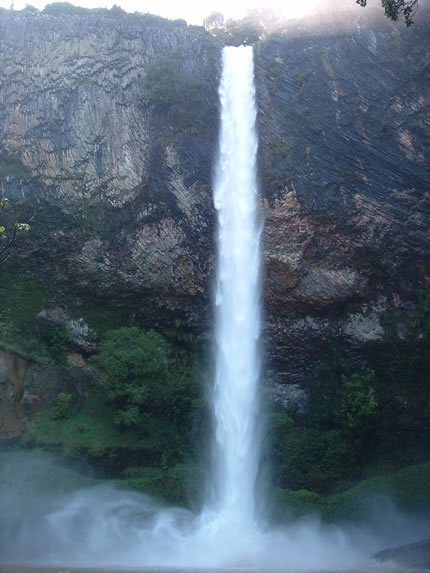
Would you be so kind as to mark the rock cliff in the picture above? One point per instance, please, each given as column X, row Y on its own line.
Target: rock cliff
column 111, row 161
column 344, row 127
column 108, row 126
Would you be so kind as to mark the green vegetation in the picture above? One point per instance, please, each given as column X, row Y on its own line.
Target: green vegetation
column 145, row 377
column 395, row 8
column 313, row 460
column 383, row 403
column 9, row 232
column 137, row 421
column 22, row 297
column 172, row 484
column 61, row 409
column 143, row 419
column 173, row 89
column 408, row 488
column 37, row 471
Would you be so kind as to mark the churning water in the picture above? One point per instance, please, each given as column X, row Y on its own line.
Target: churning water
column 101, row 526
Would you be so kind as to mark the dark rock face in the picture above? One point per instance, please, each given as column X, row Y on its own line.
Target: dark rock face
column 410, row 555
column 114, row 164
column 344, row 126
column 26, row 388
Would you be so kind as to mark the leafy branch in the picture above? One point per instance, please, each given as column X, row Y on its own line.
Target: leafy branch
column 9, row 240
column 394, row 8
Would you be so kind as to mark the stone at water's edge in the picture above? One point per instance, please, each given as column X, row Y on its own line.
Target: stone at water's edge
column 410, row 555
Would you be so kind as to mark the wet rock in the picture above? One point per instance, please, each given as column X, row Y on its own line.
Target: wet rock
column 365, row 326
column 82, row 336
column 411, row 555
column 27, row 387
column 291, row 396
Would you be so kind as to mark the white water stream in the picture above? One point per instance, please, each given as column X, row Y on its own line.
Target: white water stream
column 237, row 326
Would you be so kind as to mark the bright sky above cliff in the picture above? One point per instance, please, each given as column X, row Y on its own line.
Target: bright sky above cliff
column 191, row 10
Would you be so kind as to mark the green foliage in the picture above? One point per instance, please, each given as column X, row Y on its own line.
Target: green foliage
column 101, row 315
column 139, row 374
column 37, row 475
column 148, row 386
column 173, row 90
column 314, row 459
column 384, row 403
column 326, row 392
column 358, row 405
column 170, row 484
column 61, row 409
column 286, row 504
column 408, row 488
column 91, row 426
column 22, row 296
column 402, row 364
column 9, row 232
column 395, row 8
column 139, row 413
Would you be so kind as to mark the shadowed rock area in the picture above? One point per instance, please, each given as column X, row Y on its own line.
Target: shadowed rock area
column 410, row 555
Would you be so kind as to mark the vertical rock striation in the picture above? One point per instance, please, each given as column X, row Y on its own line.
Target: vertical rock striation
column 344, row 127
column 112, row 158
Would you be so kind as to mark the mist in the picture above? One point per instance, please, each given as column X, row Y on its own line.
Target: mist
column 339, row 16
column 53, row 516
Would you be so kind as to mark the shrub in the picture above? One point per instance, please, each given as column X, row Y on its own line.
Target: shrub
column 314, row 460
column 358, row 405
column 61, row 409
column 149, row 383
column 173, row 90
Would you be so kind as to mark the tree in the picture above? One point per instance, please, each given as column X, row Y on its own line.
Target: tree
column 145, row 377
column 9, row 238
column 395, row 8
column 214, row 21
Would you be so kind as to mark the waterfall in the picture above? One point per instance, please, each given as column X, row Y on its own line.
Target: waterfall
column 237, row 320
column 106, row 527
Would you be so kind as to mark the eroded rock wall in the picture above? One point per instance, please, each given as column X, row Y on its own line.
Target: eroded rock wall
column 117, row 183
column 113, row 165
column 344, row 127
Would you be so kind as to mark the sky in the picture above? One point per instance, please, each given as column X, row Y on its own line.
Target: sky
column 191, row 10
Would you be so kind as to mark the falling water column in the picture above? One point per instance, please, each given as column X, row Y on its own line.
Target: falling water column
column 235, row 393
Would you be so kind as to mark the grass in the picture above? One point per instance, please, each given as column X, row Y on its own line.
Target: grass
column 90, row 432
column 91, row 427
column 172, row 484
